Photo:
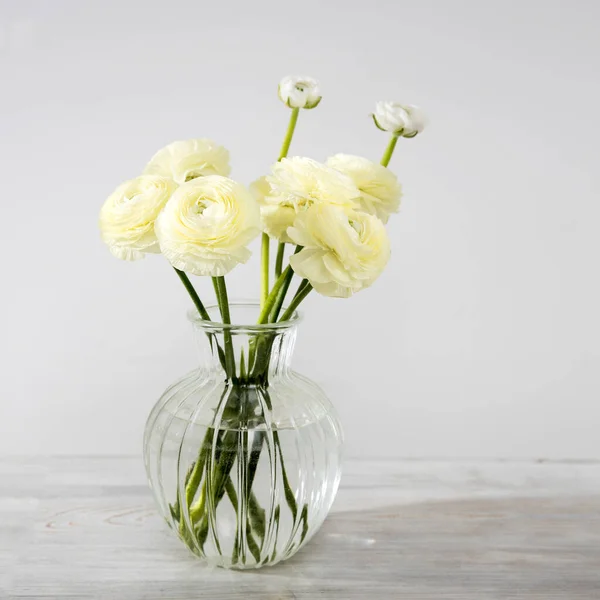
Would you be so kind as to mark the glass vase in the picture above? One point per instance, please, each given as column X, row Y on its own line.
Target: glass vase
column 243, row 453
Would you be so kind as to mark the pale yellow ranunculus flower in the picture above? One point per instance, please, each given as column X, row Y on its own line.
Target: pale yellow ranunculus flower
column 128, row 215
column 206, row 225
column 344, row 252
column 188, row 159
column 296, row 184
column 380, row 191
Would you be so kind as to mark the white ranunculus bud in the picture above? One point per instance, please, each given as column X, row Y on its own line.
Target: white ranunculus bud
column 380, row 191
column 344, row 252
column 404, row 120
column 128, row 215
column 187, row 159
column 299, row 92
column 297, row 183
column 206, row 225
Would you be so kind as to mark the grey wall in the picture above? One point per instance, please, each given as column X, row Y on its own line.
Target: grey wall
column 481, row 338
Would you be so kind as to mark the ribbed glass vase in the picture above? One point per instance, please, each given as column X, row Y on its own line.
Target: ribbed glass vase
column 243, row 453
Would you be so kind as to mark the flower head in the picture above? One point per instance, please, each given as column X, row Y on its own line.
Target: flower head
column 404, row 120
column 380, row 191
column 188, row 159
column 344, row 252
column 297, row 183
column 206, row 225
column 299, row 92
column 128, row 215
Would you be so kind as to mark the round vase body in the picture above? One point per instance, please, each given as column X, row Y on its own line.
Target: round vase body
column 243, row 454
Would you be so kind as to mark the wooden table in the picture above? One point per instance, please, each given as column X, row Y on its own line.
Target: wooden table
column 86, row 528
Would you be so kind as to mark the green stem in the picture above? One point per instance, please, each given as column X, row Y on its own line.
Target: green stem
column 289, row 134
column 264, row 263
column 282, row 292
column 281, row 297
column 264, row 254
column 196, row 299
column 300, row 288
column 287, row 274
column 193, row 294
column 287, row 140
column 300, row 295
column 221, row 292
column 266, row 309
column 287, row 488
column 387, row 155
column 279, row 259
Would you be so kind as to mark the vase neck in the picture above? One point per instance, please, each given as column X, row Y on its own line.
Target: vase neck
column 252, row 354
column 254, row 357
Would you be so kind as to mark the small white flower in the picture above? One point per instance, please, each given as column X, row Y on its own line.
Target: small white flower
column 187, row 159
column 380, row 191
column 299, row 92
column 404, row 120
column 297, row 183
column 205, row 226
column 344, row 252
column 128, row 215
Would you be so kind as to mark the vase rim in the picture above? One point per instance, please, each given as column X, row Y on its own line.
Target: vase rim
column 197, row 320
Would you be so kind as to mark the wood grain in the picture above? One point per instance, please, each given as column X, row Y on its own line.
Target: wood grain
column 86, row 528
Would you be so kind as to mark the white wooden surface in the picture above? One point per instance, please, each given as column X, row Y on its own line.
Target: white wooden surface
column 421, row 530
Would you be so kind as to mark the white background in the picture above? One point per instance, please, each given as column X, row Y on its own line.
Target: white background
column 482, row 337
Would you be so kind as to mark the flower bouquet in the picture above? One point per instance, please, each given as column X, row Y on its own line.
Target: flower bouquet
column 243, row 453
